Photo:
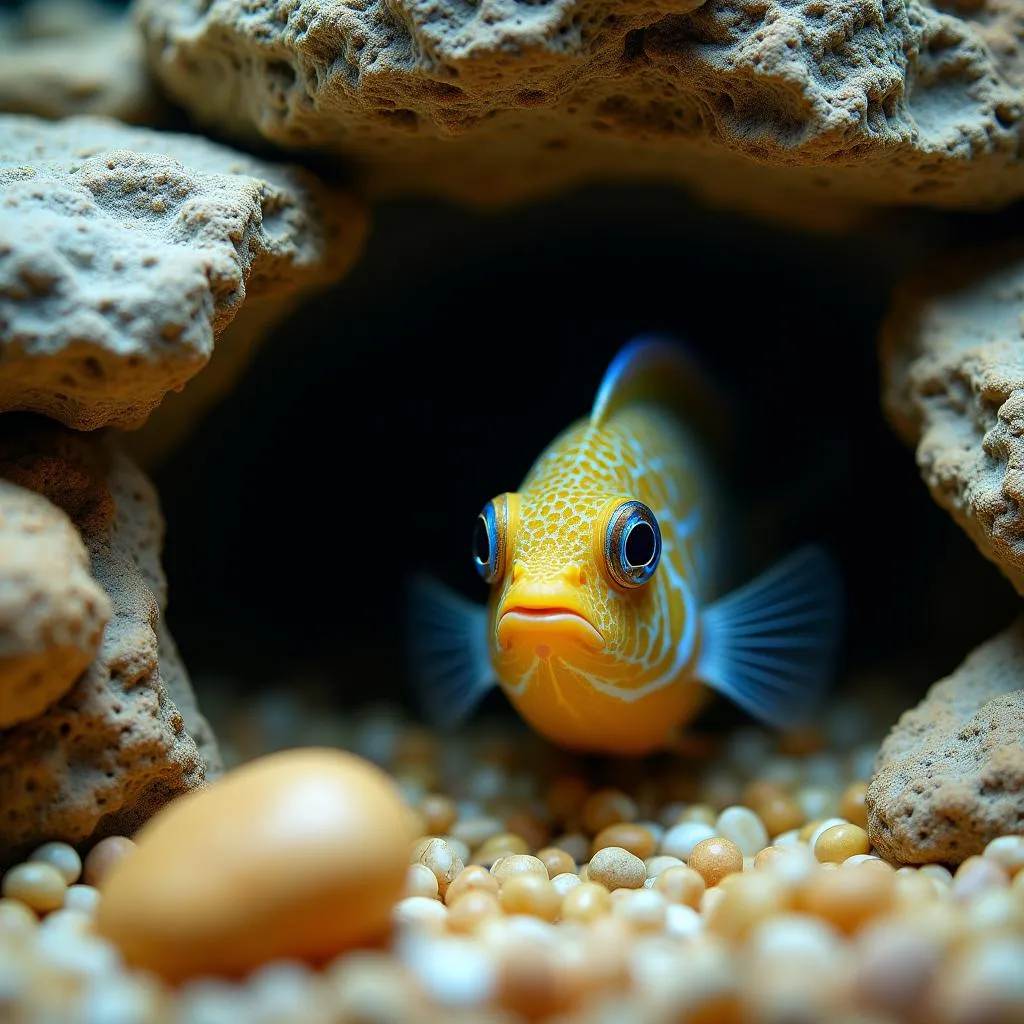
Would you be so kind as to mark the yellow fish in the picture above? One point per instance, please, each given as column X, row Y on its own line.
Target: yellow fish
column 607, row 627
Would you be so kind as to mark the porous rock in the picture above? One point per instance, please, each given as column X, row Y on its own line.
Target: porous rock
column 953, row 365
column 125, row 252
column 122, row 741
column 950, row 775
column 52, row 612
column 758, row 103
column 60, row 58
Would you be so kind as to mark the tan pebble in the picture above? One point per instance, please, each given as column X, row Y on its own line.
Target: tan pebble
column 680, row 840
column 822, row 827
column 586, row 902
column 497, row 846
column 420, row 881
column 566, row 882
column 809, row 828
column 472, row 877
column 531, row 894
column 576, row 844
column 975, row 875
column 766, row 855
column 102, row 858
column 1007, row 852
column 852, row 804
column 703, row 814
column 643, row 910
column 780, row 814
column 681, row 885
column 748, row 900
column 63, row 857
column 637, row 839
column 557, row 861
column 458, row 847
column 438, row 855
column 607, row 807
column 742, row 827
column 517, row 864
column 992, row 911
column 981, row 982
column 715, row 858
column 231, row 894
column 38, row 885
column 847, row 899
column 537, row 982
column 85, row 898
column 710, row 898
column 894, row 962
column 761, row 791
column 839, row 842
column 420, row 911
column 16, row 916
column 439, row 813
column 472, row 908
column 616, row 868
column 915, row 889
column 661, row 862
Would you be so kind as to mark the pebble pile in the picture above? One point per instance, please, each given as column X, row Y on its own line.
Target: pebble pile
column 734, row 887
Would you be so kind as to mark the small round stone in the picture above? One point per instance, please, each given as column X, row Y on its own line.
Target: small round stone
column 566, row 882
column 1007, row 852
column 680, row 840
column 681, row 884
column 16, row 916
column 642, row 909
column 616, row 868
column 638, row 839
column 714, row 859
column 103, row 857
column 440, row 858
column 85, row 898
column 780, row 814
column 742, row 826
column 852, row 804
column 471, row 877
column 501, row 845
column 839, row 842
column 63, row 857
column 420, row 881
column 38, row 885
column 471, row 909
column 661, row 862
column 517, row 864
column 419, row 911
column 439, row 813
column 557, row 861
column 531, row 894
column 586, row 903
column 608, row 807
column 848, row 898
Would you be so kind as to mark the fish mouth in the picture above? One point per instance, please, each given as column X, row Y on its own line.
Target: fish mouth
column 560, row 622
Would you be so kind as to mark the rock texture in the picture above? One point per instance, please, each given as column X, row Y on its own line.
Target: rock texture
column 52, row 612
column 124, row 253
column 60, row 58
column 953, row 364
column 754, row 102
column 122, row 742
column 950, row 776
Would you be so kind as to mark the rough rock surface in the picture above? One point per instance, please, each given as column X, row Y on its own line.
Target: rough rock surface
column 52, row 612
column 59, row 58
column 757, row 102
column 123, row 741
column 125, row 252
column 950, row 776
column 953, row 365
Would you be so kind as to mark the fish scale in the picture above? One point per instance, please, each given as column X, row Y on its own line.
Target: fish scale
column 589, row 658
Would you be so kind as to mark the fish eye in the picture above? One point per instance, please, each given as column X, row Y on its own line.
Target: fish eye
column 489, row 536
column 632, row 545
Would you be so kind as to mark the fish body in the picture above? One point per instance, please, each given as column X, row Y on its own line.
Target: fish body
column 608, row 625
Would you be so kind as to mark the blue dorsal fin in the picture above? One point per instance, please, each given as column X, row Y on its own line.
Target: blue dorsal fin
column 771, row 645
column 449, row 661
column 661, row 369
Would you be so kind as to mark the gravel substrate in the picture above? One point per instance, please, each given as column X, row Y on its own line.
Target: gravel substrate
column 734, row 885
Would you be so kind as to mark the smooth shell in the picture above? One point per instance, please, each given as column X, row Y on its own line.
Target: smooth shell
column 300, row 854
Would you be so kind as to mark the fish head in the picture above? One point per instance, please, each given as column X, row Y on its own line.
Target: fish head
column 577, row 602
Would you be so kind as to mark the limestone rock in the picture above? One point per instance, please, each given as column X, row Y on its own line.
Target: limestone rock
column 953, row 365
column 753, row 102
column 52, row 612
column 60, row 58
column 950, row 776
column 125, row 252
column 117, row 746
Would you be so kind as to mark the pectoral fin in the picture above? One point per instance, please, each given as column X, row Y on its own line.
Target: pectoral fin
column 449, row 660
column 771, row 645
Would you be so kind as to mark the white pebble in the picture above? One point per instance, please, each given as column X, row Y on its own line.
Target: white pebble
column 119, row 999
column 790, row 838
column 566, row 882
column 799, row 936
column 454, row 973
column 281, row 990
column 77, row 954
column 938, row 872
column 62, row 857
column 418, row 912
column 654, row 828
column 817, row 802
column 682, row 921
column 210, row 1001
column 680, row 840
column 642, row 908
column 744, row 828
column 1007, row 852
column 66, row 920
column 84, row 898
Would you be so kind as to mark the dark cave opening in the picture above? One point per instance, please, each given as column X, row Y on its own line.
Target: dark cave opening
column 375, row 423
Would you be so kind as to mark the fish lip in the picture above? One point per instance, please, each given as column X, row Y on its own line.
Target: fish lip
column 552, row 615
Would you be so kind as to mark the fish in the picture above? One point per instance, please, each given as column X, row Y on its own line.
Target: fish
column 612, row 618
